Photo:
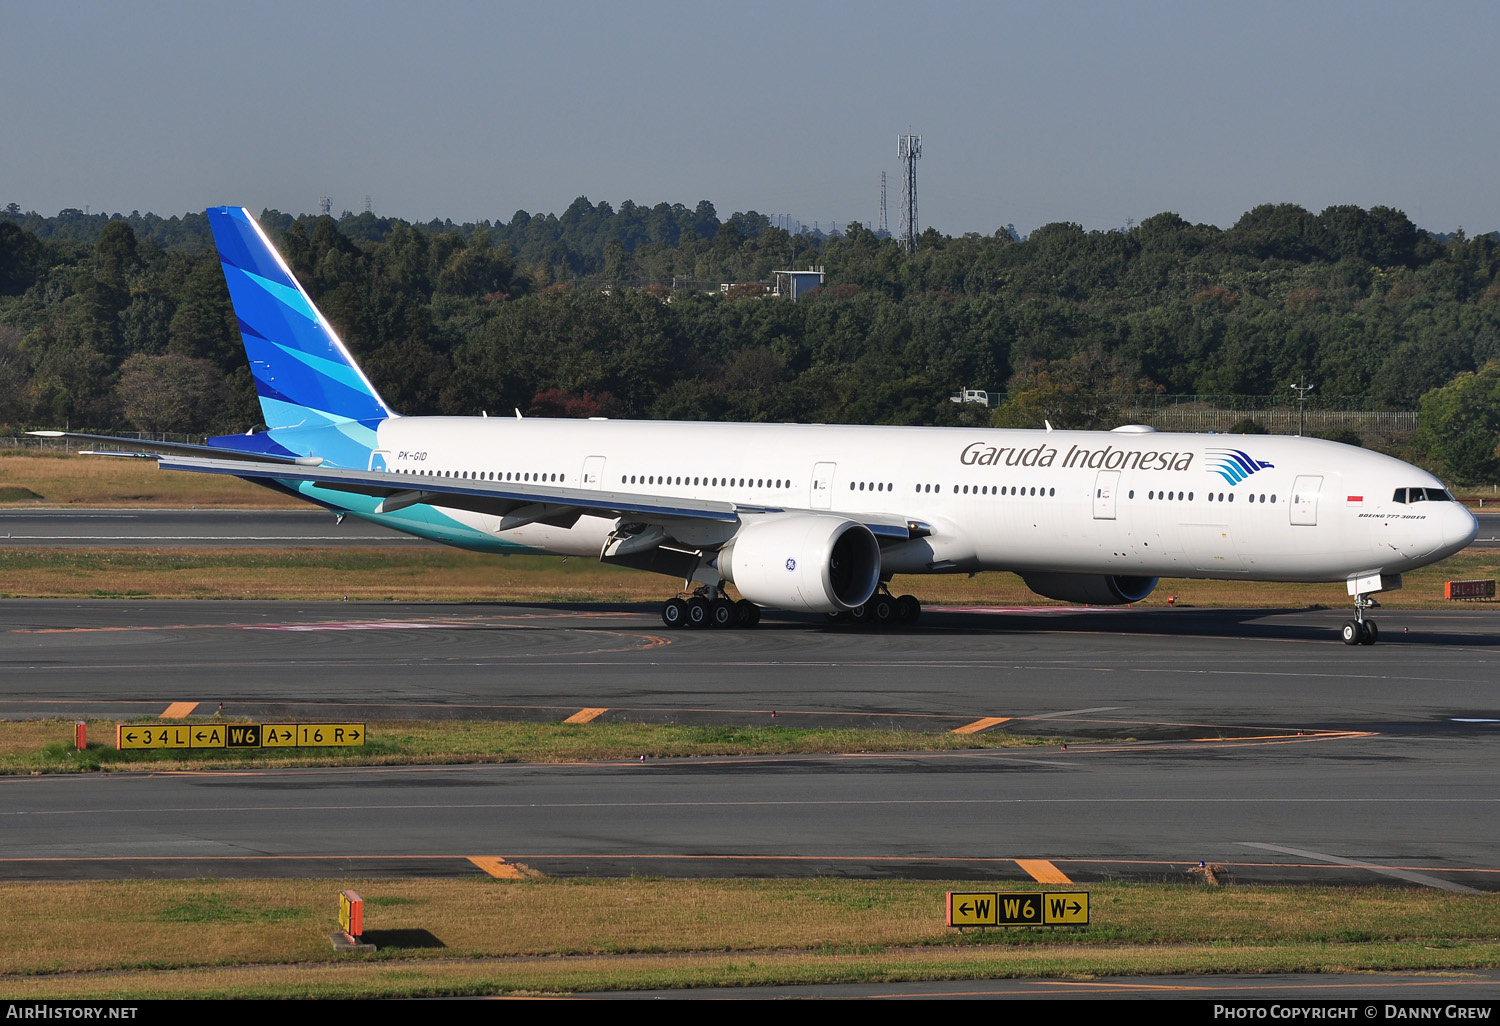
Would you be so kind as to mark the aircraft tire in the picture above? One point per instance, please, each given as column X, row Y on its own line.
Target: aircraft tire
column 721, row 613
column 674, row 613
column 697, row 613
column 1371, row 633
column 882, row 609
column 1351, row 633
column 746, row 613
column 908, row 609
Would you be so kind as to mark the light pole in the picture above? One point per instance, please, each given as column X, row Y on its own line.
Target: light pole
column 1301, row 390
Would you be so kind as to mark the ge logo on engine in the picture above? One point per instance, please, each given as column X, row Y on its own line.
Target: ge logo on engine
column 791, row 564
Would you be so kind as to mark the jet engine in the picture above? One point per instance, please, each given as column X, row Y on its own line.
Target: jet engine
column 1091, row 589
column 817, row 564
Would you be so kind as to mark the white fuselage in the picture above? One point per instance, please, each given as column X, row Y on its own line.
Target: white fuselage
column 1124, row 502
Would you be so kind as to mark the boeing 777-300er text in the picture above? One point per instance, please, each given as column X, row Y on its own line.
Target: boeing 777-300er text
column 812, row 517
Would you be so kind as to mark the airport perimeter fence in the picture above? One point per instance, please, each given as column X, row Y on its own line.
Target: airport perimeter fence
column 1377, row 429
column 1386, row 430
column 34, row 444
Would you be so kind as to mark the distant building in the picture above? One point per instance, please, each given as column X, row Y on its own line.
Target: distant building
column 794, row 283
column 975, row 395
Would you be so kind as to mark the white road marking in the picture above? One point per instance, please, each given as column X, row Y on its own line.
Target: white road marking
column 1400, row 874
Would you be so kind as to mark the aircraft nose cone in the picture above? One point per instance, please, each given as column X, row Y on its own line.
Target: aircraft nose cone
column 1446, row 528
column 1459, row 529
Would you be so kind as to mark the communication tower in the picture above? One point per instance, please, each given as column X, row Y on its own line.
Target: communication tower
column 325, row 204
column 909, row 149
column 885, row 226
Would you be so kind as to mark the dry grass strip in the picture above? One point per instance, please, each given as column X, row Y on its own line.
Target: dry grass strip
column 268, row 937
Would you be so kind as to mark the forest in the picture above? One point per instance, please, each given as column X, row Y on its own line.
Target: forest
column 122, row 322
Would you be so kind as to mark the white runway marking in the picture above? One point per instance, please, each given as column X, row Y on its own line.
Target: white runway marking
column 358, row 625
column 1400, row 874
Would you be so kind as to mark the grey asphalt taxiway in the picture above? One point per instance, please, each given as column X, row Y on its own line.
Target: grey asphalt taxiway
column 1252, row 741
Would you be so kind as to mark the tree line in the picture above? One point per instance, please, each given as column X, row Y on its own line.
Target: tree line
column 115, row 321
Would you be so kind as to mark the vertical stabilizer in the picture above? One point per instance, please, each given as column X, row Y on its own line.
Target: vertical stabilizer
column 303, row 374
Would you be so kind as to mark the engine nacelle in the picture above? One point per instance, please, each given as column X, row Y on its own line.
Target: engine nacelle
column 817, row 564
column 1091, row 589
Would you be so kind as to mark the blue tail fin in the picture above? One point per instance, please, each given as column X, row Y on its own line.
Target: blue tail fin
column 303, row 374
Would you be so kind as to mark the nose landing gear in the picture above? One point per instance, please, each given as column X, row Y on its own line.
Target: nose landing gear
column 1360, row 631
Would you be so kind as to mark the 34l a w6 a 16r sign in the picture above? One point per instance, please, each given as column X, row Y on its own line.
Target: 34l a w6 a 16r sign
column 238, row 735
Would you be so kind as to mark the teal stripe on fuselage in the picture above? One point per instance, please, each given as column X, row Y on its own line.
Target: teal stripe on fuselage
column 422, row 521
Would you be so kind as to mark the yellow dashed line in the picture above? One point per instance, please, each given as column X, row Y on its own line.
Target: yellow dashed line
column 496, row 867
column 1043, row 871
column 585, row 715
column 978, row 725
column 179, row 710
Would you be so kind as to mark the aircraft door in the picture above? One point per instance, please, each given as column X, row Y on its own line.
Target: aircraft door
column 1105, row 486
column 822, row 486
column 1304, row 509
column 593, row 473
column 380, row 461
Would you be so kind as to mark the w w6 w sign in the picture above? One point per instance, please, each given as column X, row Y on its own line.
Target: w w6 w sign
column 989, row 908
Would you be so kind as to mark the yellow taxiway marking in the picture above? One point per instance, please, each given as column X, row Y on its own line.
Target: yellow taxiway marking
column 585, row 715
column 496, row 867
column 1043, row 871
column 179, row 710
column 978, row 725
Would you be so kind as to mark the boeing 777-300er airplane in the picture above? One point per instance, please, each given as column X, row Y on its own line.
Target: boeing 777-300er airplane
column 812, row 517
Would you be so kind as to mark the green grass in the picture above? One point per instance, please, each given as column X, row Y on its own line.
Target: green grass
column 46, row 746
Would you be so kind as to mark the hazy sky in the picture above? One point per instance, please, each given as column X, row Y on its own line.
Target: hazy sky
column 1030, row 113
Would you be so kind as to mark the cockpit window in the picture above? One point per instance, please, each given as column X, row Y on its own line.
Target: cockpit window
column 1422, row 495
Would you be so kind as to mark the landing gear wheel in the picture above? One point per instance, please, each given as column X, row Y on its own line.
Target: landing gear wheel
column 838, row 618
column 908, row 609
column 882, row 609
column 674, row 613
column 697, row 612
column 721, row 613
column 1352, row 634
column 1371, row 633
column 860, row 614
column 746, row 613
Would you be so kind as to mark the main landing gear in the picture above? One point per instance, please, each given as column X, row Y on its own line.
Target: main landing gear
column 709, row 609
column 1360, row 631
column 883, row 608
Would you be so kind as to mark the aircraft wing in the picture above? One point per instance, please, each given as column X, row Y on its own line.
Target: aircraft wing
column 520, row 504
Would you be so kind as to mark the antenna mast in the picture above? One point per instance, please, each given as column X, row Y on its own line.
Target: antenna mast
column 909, row 149
column 885, row 225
